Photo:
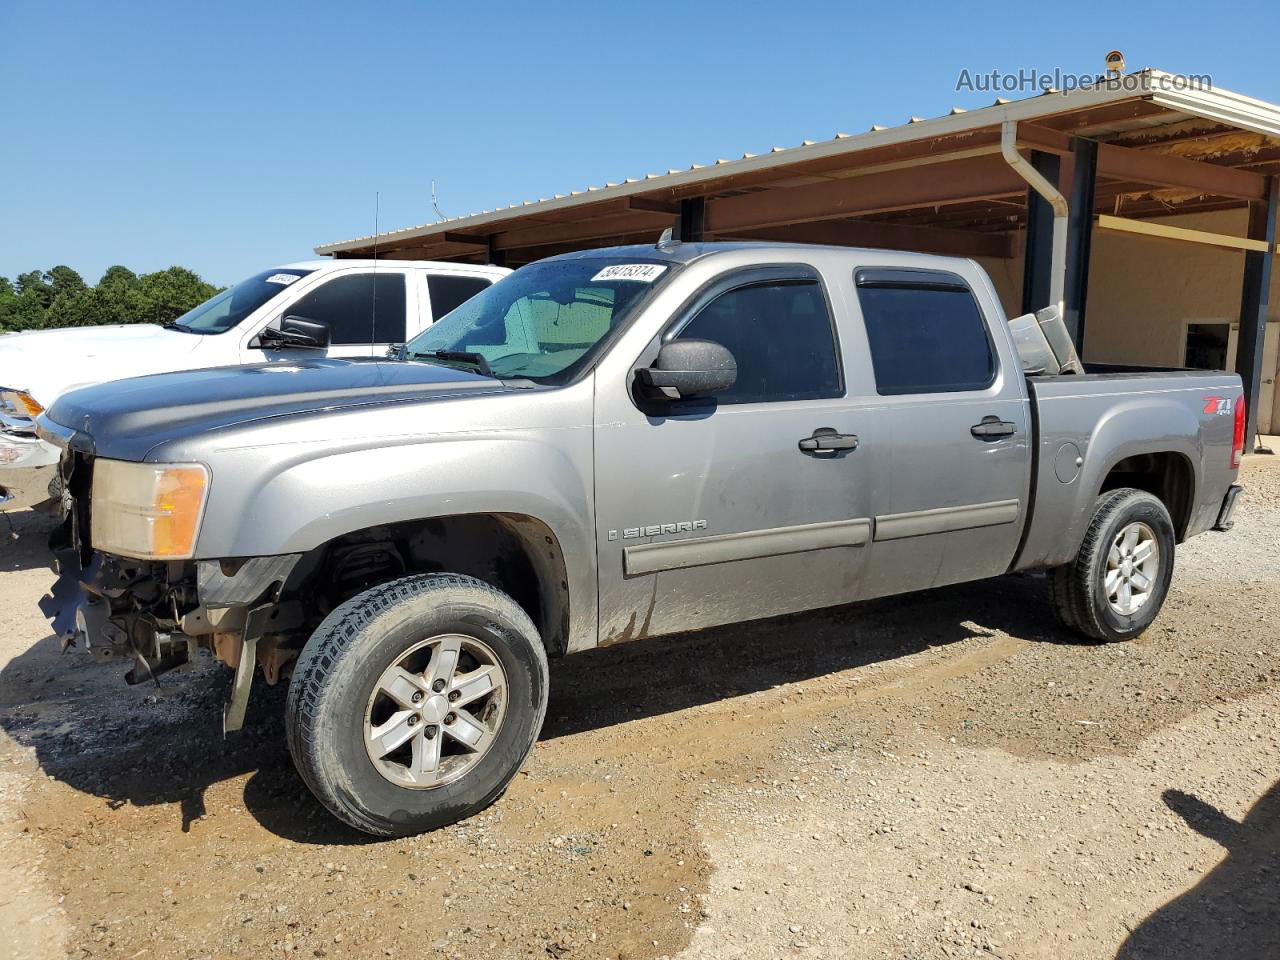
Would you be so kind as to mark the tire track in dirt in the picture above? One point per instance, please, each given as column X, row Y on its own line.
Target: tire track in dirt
column 663, row 758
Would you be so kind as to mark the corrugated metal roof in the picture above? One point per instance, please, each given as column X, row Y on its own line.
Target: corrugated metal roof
column 1158, row 86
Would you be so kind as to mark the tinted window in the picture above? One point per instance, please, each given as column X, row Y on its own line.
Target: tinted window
column 780, row 333
column 224, row 311
column 447, row 293
column 926, row 340
column 348, row 305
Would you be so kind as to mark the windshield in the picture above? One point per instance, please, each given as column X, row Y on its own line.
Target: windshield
column 542, row 322
column 224, row 311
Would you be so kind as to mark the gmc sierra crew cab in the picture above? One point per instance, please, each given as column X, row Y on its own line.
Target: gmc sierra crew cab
column 603, row 446
column 361, row 306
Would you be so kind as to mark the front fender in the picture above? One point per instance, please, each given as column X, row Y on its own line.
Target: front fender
column 263, row 506
column 310, row 503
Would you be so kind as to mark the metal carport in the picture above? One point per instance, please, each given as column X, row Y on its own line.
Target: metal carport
column 1123, row 152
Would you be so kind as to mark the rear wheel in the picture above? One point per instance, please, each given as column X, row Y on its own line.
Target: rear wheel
column 414, row 704
column 1118, row 581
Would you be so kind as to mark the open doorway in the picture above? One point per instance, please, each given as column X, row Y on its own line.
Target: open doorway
column 1212, row 346
column 1207, row 345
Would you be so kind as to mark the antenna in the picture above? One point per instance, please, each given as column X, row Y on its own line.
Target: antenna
column 435, row 205
column 373, row 316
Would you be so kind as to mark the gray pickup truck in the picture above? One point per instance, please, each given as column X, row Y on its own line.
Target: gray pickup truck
column 603, row 446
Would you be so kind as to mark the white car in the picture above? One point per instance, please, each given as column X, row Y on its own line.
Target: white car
column 341, row 308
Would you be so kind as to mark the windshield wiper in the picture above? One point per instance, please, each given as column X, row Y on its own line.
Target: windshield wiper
column 174, row 325
column 457, row 356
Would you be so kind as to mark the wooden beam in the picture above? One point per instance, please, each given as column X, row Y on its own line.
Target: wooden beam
column 1043, row 139
column 973, row 178
column 467, row 253
column 840, row 164
column 1165, row 170
column 970, row 142
column 649, row 205
column 887, row 236
column 450, row 237
column 1101, row 119
column 554, row 233
column 1162, row 231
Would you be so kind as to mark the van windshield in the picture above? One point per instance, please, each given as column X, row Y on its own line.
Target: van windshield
column 227, row 309
column 541, row 323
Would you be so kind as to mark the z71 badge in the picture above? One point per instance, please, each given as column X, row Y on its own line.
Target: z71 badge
column 1219, row 405
column 658, row 529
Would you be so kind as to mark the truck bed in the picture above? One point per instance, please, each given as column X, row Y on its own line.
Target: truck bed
column 1169, row 431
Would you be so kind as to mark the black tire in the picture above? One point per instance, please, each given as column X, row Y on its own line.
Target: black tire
column 1078, row 588
column 334, row 679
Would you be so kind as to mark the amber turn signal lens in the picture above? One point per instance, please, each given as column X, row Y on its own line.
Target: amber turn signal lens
column 29, row 404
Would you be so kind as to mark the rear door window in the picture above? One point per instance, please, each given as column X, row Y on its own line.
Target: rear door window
column 450, row 292
column 358, row 307
column 926, row 335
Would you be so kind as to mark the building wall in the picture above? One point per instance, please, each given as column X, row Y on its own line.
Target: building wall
column 1006, row 276
column 1143, row 291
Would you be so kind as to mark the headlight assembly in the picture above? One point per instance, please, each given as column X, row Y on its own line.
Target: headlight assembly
column 150, row 511
column 19, row 403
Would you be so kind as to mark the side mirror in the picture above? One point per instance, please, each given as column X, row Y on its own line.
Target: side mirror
column 689, row 368
column 294, row 332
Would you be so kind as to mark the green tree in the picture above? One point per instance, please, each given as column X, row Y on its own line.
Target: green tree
column 86, row 308
column 167, row 294
column 34, row 284
column 117, row 303
column 65, row 282
column 61, row 298
column 118, row 276
column 21, row 311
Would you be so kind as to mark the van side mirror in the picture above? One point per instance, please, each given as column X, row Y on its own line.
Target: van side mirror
column 294, row 332
column 689, row 368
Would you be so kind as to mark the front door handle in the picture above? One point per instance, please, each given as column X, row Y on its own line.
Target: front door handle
column 993, row 428
column 826, row 439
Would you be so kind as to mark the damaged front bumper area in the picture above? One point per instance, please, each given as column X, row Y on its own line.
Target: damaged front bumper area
column 157, row 614
column 28, row 468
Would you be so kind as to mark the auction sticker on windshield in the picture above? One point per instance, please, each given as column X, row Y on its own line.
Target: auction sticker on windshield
column 284, row 279
column 639, row 272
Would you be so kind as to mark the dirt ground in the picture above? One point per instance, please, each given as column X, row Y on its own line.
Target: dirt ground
column 945, row 774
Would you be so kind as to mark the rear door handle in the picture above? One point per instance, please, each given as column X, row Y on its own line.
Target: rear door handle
column 826, row 439
column 993, row 428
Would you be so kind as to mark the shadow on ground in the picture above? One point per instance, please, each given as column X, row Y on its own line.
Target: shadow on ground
column 143, row 745
column 25, row 535
column 1231, row 913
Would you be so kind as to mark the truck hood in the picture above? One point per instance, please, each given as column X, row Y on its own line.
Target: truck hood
column 47, row 363
column 126, row 418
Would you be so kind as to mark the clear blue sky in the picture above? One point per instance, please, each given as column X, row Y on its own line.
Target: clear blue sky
column 231, row 136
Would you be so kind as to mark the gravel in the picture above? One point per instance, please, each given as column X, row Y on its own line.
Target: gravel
column 947, row 774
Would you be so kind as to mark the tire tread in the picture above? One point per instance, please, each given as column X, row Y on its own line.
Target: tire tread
column 316, row 667
column 1071, row 585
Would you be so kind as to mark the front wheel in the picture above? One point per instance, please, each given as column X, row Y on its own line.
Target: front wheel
column 1118, row 581
column 414, row 704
